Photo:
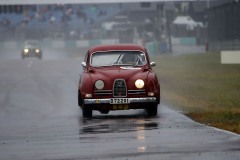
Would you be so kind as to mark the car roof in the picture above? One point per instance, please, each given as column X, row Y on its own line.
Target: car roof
column 31, row 40
column 117, row 47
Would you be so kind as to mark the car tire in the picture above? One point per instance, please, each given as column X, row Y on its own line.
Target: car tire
column 153, row 110
column 80, row 101
column 87, row 111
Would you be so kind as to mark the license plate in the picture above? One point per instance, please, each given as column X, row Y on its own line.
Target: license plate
column 119, row 101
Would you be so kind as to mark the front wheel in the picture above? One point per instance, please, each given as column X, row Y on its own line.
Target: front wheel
column 87, row 111
column 153, row 110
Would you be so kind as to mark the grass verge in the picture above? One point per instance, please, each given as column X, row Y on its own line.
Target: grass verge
column 203, row 88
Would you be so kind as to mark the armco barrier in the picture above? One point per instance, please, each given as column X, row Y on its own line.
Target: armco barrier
column 152, row 48
column 225, row 45
column 10, row 45
column 188, row 41
column 83, row 43
column 60, row 43
column 191, row 41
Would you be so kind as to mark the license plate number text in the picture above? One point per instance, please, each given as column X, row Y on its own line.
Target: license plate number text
column 119, row 101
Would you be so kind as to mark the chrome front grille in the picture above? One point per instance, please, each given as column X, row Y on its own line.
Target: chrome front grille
column 119, row 88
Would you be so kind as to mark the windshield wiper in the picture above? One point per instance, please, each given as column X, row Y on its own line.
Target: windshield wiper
column 116, row 62
column 137, row 63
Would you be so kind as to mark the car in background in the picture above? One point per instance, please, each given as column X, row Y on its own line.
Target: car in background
column 118, row 77
column 32, row 48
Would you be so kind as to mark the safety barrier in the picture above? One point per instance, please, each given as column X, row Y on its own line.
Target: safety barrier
column 189, row 41
column 60, row 43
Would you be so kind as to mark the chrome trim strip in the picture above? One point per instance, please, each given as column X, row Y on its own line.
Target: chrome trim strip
column 102, row 92
column 136, row 93
column 142, row 91
column 137, row 90
column 132, row 100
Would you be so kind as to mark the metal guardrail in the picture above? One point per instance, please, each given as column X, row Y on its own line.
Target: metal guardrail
column 227, row 45
column 60, row 43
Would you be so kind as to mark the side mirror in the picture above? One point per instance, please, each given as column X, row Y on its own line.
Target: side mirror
column 152, row 64
column 84, row 64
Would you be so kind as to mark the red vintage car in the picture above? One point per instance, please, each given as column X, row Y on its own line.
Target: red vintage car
column 118, row 77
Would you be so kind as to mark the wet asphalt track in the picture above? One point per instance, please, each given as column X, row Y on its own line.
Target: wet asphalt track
column 40, row 120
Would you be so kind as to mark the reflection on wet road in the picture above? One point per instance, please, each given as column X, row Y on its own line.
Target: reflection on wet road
column 117, row 124
column 40, row 119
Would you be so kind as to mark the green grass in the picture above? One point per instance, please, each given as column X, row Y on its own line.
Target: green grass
column 202, row 87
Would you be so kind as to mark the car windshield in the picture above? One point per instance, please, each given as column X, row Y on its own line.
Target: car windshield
column 31, row 44
column 119, row 58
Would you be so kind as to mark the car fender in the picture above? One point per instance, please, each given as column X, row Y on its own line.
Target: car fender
column 85, row 85
column 153, row 85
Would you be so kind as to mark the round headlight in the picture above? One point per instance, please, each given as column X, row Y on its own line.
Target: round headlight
column 26, row 50
column 139, row 83
column 37, row 50
column 99, row 84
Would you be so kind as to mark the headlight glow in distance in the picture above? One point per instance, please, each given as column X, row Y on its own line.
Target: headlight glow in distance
column 37, row 50
column 99, row 84
column 26, row 50
column 139, row 83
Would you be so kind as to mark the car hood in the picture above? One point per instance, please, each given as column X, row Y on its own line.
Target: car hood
column 129, row 74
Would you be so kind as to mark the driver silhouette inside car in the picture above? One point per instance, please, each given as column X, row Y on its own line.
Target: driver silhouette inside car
column 132, row 59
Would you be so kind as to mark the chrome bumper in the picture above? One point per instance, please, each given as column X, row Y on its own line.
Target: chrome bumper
column 132, row 100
